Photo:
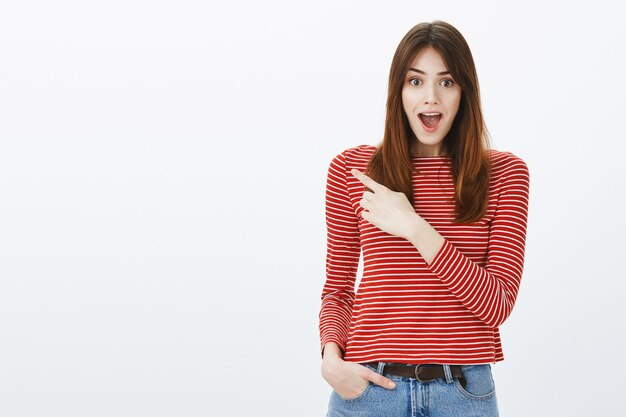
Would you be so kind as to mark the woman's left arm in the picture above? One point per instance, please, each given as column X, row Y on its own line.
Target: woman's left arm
column 488, row 292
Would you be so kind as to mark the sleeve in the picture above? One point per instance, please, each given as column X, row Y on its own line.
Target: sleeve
column 342, row 258
column 490, row 292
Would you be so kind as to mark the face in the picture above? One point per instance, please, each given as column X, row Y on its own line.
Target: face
column 429, row 88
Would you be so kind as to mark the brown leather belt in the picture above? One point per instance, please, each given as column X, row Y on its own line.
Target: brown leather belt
column 423, row 372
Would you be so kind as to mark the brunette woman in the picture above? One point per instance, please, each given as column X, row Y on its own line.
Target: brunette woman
column 440, row 219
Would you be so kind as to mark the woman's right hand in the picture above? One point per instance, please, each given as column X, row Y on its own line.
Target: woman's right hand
column 350, row 379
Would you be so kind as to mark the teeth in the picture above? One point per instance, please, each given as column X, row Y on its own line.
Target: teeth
column 431, row 114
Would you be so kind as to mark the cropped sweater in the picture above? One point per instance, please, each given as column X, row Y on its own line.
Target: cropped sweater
column 406, row 310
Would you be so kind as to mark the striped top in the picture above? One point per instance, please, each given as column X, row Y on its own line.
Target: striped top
column 406, row 310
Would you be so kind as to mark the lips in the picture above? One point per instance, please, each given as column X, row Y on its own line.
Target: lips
column 430, row 120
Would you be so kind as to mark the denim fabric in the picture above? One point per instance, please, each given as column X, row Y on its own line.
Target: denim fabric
column 441, row 397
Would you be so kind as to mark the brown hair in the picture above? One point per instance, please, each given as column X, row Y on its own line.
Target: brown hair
column 467, row 142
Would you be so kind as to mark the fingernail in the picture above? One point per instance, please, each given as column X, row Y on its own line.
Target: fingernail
column 391, row 385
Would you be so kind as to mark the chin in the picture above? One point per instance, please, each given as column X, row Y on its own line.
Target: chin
column 430, row 141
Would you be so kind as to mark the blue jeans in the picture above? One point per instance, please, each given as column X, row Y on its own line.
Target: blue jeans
column 411, row 398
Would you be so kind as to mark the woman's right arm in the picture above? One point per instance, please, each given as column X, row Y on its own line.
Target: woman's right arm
column 348, row 379
column 342, row 257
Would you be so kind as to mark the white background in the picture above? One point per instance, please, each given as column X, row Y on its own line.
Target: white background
column 162, row 174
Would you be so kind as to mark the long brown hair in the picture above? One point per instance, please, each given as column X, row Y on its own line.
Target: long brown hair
column 467, row 142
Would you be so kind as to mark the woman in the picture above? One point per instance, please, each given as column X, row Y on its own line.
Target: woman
column 441, row 221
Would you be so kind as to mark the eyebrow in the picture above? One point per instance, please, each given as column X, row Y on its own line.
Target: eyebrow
column 422, row 72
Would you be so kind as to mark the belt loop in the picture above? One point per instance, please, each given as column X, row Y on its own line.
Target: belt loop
column 448, row 373
column 381, row 365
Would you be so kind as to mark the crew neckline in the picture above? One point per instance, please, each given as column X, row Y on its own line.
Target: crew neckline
column 432, row 165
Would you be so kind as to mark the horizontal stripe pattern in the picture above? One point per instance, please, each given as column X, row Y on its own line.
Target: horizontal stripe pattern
column 406, row 310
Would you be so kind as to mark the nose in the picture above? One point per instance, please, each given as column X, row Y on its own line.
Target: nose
column 430, row 95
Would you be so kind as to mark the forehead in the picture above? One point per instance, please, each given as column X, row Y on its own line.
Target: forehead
column 428, row 59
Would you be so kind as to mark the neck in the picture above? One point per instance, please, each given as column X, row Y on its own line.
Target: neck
column 415, row 151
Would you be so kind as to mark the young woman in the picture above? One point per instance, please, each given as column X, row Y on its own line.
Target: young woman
column 440, row 218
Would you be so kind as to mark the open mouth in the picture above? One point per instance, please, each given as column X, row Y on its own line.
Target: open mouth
column 430, row 120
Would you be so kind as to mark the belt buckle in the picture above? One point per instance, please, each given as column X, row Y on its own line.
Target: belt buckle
column 417, row 373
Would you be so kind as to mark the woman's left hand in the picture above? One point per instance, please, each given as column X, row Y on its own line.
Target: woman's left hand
column 386, row 209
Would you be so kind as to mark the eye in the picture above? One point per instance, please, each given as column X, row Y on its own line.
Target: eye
column 414, row 79
column 450, row 81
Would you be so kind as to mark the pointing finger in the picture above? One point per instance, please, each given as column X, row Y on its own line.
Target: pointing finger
column 370, row 183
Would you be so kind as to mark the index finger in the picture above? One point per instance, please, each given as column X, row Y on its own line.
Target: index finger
column 373, row 185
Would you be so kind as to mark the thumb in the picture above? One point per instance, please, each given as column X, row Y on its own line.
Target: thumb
column 384, row 382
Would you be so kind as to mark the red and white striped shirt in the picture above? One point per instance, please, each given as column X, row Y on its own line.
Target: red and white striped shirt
column 406, row 310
